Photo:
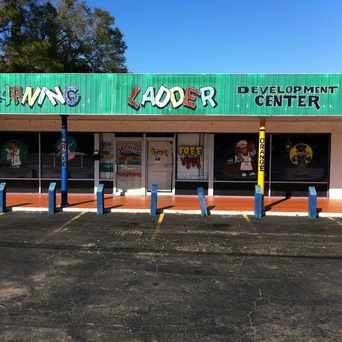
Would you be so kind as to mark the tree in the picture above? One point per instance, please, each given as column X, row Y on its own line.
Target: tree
column 39, row 36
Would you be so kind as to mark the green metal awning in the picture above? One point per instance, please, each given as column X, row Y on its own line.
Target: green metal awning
column 172, row 94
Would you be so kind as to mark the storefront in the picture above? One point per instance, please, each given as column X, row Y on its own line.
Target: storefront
column 178, row 131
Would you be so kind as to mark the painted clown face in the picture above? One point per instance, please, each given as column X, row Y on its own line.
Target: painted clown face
column 242, row 147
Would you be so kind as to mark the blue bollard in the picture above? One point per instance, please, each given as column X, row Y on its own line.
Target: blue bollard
column 100, row 209
column 3, row 198
column 312, row 202
column 154, row 200
column 52, row 199
column 259, row 210
column 203, row 205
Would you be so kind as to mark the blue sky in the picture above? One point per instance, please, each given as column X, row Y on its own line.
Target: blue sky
column 224, row 36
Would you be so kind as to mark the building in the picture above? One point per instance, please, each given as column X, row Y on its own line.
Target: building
column 179, row 131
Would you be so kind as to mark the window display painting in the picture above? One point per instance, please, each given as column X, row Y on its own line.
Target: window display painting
column 106, row 163
column 19, row 155
column 128, row 158
column 72, row 148
column 14, row 152
column 236, row 157
column 192, row 158
column 128, row 171
column 244, row 155
column 300, row 157
column 159, row 155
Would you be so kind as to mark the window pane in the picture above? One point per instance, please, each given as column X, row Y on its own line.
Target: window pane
column 19, row 155
column 80, row 163
column 106, row 162
column 192, row 157
column 300, row 157
column 236, row 157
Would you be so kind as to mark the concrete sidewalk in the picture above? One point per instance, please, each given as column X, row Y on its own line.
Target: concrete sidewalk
column 178, row 204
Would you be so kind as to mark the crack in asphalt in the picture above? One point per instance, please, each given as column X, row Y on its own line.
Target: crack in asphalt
column 158, row 250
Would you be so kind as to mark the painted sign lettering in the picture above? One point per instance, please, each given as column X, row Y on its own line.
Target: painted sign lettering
column 288, row 96
column 192, row 150
column 190, row 155
column 175, row 97
column 31, row 96
column 262, row 154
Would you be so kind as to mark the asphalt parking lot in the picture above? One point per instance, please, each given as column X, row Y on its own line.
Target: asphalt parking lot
column 121, row 277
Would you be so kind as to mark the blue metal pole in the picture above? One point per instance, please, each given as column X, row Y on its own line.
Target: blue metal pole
column 312, row 205
column 203, row 205
column 100, row 200
column 3, row 197
column 259, row 210
column 154, row 200
column 52, row 199
column 64, row 161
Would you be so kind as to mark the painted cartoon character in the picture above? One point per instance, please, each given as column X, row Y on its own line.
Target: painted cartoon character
column 244, row 154
column 71, row 153
column 13, row 155
column 301, row 155
column 72, row 148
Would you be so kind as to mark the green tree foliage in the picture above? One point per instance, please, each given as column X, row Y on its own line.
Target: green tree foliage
column 65, row 36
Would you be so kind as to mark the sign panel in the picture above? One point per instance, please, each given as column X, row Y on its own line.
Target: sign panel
column 178, row 94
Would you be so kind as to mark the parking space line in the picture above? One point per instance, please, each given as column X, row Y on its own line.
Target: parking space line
column 246, row 218
column 334, row 220
column 157, row 228
column 64, row 225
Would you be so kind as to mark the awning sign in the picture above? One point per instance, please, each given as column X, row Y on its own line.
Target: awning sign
column 289, row 96
column 245, row 95
column 30, row 96
column 175, row 97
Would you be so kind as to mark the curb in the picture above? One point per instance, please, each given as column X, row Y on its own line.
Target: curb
column 179, row 212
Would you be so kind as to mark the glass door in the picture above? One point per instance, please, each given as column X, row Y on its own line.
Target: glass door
column 160, row 164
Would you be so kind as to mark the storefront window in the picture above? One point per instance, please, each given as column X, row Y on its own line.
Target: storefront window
column 19, row 155
column 192, row 157
column 236, row 157
column 80, row 152
column 300, row 157
column 106, row 162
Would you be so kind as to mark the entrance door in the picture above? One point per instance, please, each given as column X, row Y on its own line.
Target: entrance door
column 128, row 166
column 160, row 164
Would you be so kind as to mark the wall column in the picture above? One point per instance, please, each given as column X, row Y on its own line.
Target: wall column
column 335, row 184
column 211, row 148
